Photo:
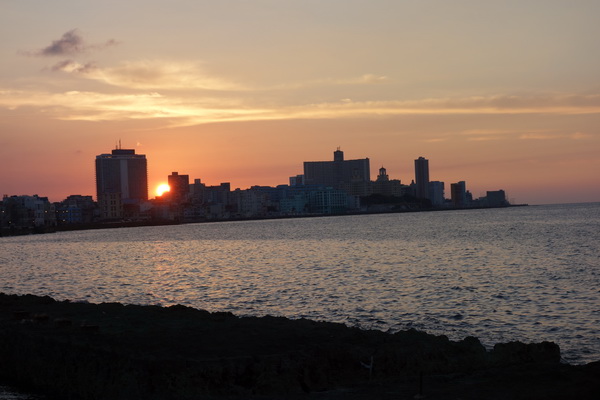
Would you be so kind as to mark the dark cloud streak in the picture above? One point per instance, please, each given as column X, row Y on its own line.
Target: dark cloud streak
column 71, row 43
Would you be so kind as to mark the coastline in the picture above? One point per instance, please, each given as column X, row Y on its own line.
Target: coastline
column 115, row 351
column 143, row 223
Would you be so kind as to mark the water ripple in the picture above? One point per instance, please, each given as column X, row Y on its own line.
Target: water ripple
column 526, row 274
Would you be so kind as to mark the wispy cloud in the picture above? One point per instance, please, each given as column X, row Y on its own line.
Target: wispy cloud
column 92, row 106
column 506, row 104
column 183, row 75
column 491, row 134
column 149, row 75
column 72, row 66
column 479, row 135
column 71, row 43
column 555, row 136
column 365, row 79
column 580, row 135
column 557, row 104
column 539, row 136
column 190, row 108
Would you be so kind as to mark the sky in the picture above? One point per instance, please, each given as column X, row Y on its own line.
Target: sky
column 502, row 95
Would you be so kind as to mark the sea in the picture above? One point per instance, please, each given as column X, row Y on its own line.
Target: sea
column 528, row 273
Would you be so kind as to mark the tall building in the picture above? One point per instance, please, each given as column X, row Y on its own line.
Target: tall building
column 179, row 186
column 422, row 178
column 121, row 178
column 459, row 194
column 436, row 193
column 354, row 176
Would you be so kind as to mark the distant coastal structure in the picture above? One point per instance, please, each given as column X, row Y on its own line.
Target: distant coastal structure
column 459, row 194
column 422, row 178
column 121, row 180
column 352, row 176
column 326, row 187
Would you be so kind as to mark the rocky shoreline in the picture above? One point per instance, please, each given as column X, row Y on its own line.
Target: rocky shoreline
column 112, row 351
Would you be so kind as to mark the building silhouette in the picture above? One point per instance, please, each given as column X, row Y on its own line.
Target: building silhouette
column 179, row 186
column 496, row 198
column 436, row 193
column 422, row 178
column 121, row 181
column 385, row 186
column 76, row 209
column 21, row 213
column 458, row 193
column 353, row 176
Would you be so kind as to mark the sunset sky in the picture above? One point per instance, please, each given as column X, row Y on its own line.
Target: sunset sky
column 503, row 95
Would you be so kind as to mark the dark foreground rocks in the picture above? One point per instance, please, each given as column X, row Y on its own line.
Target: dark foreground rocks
column 111, row 351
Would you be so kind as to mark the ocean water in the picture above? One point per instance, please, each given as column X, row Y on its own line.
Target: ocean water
column 523, row 273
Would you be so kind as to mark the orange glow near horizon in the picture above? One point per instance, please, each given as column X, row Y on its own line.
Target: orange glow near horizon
column 252, row 115
column 162, row 189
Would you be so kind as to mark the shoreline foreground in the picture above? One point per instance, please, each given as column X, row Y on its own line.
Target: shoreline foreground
column 73, row 350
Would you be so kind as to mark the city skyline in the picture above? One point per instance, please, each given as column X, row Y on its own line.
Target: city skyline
column 498, row 95
column 124, row 173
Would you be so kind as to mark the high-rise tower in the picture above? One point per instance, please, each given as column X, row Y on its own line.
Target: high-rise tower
column 422, row 178
column 180, row 186
column 121, row 178
column 353, row 176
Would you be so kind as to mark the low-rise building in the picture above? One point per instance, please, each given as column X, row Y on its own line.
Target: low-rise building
column 76, row 209
column 27, row 212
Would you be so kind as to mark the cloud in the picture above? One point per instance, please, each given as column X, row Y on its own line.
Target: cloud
column 177, row 75
column 501, row 104
column 496, row 134
column 366, row 79
column 555, row 136
column 372, row 78
column 485, row 132
column 491, row 134
column 493, row 105
column 580, row 135
column 93, row 106
column 71, row 43
column 538, row 136
column 149, row 75
column 71, row 66
column 186, row 108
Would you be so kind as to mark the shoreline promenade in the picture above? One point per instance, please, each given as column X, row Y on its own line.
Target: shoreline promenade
column 158, row 222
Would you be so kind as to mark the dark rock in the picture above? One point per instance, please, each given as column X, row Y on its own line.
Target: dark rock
column 149, row 352
column 20, row 315
column 519, row 353
column 63, row 322
column 41, row 318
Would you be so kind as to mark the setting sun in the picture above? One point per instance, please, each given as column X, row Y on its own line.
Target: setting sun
column 162, row 188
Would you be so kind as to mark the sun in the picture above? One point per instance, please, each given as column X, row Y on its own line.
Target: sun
column 162, row 188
